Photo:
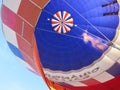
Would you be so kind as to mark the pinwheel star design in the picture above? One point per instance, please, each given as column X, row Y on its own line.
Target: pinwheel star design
column 62, row 22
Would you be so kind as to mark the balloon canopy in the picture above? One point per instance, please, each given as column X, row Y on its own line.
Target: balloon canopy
column 73, row 43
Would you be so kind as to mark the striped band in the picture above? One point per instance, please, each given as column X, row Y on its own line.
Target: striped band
column 17, row 24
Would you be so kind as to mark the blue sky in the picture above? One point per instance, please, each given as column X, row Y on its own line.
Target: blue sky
column 13, row 75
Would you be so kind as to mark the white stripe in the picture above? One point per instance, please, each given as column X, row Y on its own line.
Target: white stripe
column 68, row 29
column 53, row 20
column 57, row 28
column 12, row 4
column 76, row 83
column 118, row 39
column 64, row 12
column 69, row 24
column 64, row 31
column 69, row 20
column 25, row 64
column 59, row 13
column 67, row 15
column 10, row 35
column 104, row 77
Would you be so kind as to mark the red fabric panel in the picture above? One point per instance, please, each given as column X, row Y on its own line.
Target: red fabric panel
column 41, row 3
column 25, row 46
column 29, row 12
column 29, row 60
column 110, row 85
column 28, row 33
column 95, row 87
column 114, row 84
column 90, row 82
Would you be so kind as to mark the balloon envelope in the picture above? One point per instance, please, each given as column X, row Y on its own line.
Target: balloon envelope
column 72, row 44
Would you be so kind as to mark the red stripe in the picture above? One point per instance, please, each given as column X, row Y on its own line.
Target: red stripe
column 71, row 22
column 58, row 28
column 58, row 15
column 66, row 14
column 55, row 22
column 66, row 29
column 90, row 82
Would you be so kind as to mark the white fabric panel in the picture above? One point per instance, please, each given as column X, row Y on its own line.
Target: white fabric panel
column 118, row 60
column 104, row 77
column 104, row 64
column 12, row 4
column 25, row 64
column 118, row 29
column 10, row 35
column 114, row 53
column 76, row 83
column 118, row 39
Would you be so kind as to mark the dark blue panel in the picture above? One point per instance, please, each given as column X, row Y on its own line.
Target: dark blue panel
column 62, row 83
column 69, row 51
column 99, row 11
column 115, row 69
column 107, row 31
column 15, row 50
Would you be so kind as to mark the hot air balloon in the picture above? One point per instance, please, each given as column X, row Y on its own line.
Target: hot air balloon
column 72, row 44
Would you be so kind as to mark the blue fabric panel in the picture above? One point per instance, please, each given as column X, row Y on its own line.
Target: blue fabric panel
column 65, row 52
column 15, row 50
column 115, row 69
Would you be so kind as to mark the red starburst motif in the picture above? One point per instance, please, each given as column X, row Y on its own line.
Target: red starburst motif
column 62, row 22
